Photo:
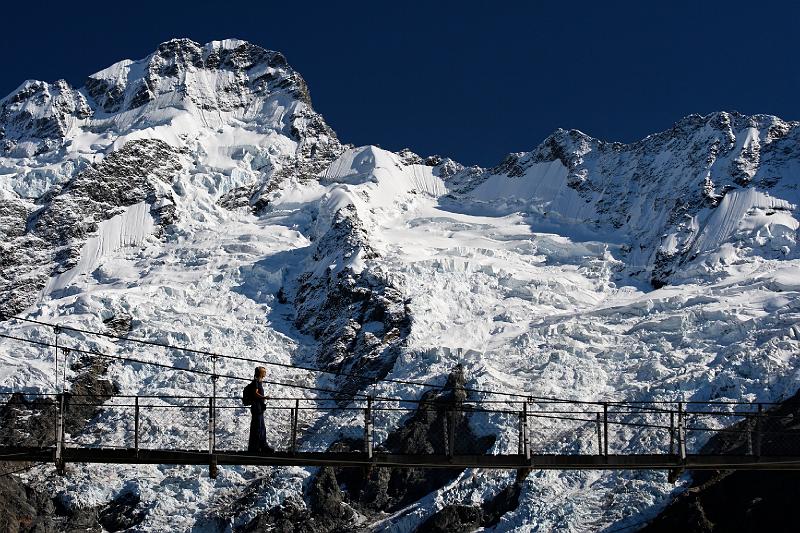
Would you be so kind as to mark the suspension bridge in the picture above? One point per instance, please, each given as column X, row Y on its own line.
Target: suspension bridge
column 540, row 432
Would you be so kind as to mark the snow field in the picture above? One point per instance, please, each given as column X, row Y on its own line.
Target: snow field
column 524, row 311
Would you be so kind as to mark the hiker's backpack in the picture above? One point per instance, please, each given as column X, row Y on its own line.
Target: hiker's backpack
column 249, row 393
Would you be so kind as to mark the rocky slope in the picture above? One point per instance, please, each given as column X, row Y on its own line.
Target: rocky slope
column 681, row 203
column 743, row 500
column 195, row 197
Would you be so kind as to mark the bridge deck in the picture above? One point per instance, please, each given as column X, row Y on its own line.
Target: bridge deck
column 357, row 459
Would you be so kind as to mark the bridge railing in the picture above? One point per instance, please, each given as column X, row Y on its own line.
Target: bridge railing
column 531, row 427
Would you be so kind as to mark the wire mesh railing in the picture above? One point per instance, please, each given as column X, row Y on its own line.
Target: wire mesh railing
column 221, row 424
column 526, row 425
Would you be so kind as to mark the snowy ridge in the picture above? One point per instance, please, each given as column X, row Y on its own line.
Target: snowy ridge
column 196, row 196
column 656, row 196
column 373, row 179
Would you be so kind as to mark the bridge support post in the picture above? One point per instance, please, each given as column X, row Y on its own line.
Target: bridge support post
column 66, row 352
column 295, row 415
column 681, row 433
column 451, row 432
column 524, row 438
column 599, row 436
column 212, row 411
column 671, row 432
column 759, row 416
column 59, row 451
column 368, row 428
column 605, row 429
column 675, row 473
column 213, row 470
column 56, row 331
column 212, row 423
column 136, row 426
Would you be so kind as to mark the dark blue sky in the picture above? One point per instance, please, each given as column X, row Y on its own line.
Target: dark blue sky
column 473, row 80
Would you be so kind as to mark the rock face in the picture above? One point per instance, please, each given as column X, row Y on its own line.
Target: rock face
column 30, row 423
column 48, row 239
column 183, row 89
column 220, row 80
column 360, row 319
column 238, row 71
column 42, row 111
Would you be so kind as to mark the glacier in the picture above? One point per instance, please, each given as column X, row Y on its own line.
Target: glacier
column 198, row 196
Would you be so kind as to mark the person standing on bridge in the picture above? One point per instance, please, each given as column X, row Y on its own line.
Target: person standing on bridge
column 258, row 431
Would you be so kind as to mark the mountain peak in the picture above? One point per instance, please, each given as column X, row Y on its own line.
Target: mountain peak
column 44, row 110
column 217, row 83
column 217, row 75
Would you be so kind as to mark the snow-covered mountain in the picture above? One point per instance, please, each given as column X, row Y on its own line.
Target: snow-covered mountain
column 195, row 197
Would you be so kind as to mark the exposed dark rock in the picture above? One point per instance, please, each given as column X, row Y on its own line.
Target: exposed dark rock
column 122, row 512
column 27, row 510
column 742, row 500
column 119, row 323
column 25, row 422
column 54, row 234
column 166, row 71
column 458, row 518
column 292, row 515
column 452, row 519
column 361, row 320
column 30, row 422
column 733, row 501
column 339, row 499
column 41, row 113
column 23, row 508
